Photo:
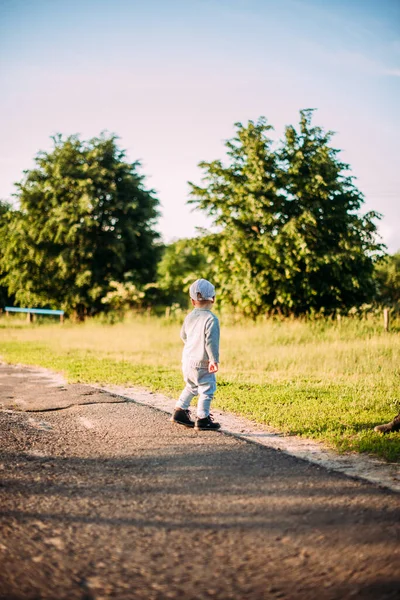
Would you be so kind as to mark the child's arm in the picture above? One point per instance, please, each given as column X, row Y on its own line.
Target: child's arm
column 212, row 344
column 183, row 333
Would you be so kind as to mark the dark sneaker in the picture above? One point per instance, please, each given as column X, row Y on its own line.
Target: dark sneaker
column 206, row 424
column 182, row 417
column 389, row 427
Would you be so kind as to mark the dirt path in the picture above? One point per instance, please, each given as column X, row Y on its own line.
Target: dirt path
column 106, row 499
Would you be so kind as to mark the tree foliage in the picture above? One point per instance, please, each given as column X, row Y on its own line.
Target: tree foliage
column 288, row 233
column 387, row 275
column 84, row 220
column 5, row 211
column 182, row 262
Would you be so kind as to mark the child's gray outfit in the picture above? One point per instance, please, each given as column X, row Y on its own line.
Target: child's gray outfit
column 200, row 334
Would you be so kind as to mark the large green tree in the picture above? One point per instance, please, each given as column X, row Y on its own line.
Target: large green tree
column 5, row 212
column 288, row 236
column 84, row 219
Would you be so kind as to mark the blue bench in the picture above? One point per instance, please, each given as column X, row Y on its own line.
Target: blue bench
column 35, row 311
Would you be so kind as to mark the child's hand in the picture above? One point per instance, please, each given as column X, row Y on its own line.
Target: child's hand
column 213, row 367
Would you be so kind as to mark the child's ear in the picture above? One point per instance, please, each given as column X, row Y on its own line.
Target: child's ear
column 192, row 301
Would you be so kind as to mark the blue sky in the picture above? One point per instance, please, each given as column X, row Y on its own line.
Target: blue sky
column 171, row 77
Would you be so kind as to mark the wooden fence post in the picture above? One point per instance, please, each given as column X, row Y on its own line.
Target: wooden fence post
column 386, row 319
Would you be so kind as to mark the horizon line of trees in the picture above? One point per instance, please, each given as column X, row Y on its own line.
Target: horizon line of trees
column 287, row 233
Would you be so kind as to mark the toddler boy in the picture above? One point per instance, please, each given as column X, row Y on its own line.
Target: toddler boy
column 200, row 334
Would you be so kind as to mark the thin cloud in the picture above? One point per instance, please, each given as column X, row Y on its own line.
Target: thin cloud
column 359, row 62
column 392, row 72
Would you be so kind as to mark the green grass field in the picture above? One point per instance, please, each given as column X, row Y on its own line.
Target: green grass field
column 318, row 379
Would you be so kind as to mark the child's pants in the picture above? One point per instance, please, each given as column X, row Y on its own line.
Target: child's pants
column 198, row 382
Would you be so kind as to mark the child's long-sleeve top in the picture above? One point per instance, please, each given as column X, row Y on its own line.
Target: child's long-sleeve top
column 200, row 334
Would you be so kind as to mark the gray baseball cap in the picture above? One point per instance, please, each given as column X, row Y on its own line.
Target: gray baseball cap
column 202, row 289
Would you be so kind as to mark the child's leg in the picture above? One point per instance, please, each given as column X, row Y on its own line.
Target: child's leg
column 190, row 390
column 207, row 386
